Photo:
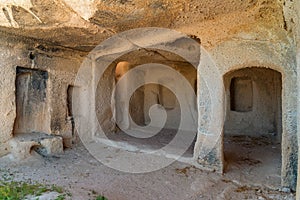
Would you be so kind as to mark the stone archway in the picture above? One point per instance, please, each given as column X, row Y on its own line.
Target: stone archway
column 234, row 55
column 253, row 124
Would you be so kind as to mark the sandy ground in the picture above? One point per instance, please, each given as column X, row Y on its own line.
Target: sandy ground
column 83, row 176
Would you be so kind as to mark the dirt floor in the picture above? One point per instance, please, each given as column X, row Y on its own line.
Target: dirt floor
column 249, row 175
column 161, row 139
column 255, row 160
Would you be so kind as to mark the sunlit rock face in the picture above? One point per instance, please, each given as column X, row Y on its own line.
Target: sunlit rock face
column 56, row 12
column 87, row 22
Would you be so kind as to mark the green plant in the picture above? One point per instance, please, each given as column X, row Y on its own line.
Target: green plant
column 18, row 190
column 61, row 197
column 100, row 197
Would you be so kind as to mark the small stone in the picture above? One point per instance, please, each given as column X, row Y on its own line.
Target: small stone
column 53, row 145
column 286, row 190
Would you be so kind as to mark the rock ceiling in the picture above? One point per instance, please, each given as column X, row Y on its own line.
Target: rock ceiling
column 83, row 24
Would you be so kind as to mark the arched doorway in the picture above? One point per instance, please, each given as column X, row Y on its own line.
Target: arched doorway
column 116, row 119
column 253, row 124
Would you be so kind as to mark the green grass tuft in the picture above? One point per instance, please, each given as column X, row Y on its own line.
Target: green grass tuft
column 100, row 197
column 19, row 190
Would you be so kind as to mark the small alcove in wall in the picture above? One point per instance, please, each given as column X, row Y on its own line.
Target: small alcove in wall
column 31, row 101
column 71, row 135
column 253, row 124
column 241, row 94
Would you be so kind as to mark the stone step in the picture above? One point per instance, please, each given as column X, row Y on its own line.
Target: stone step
column 23, row 144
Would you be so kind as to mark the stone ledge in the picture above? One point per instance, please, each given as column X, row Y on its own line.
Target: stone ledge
column 46, row 145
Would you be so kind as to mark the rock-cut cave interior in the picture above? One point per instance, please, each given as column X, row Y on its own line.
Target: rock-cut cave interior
column 218, row 77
